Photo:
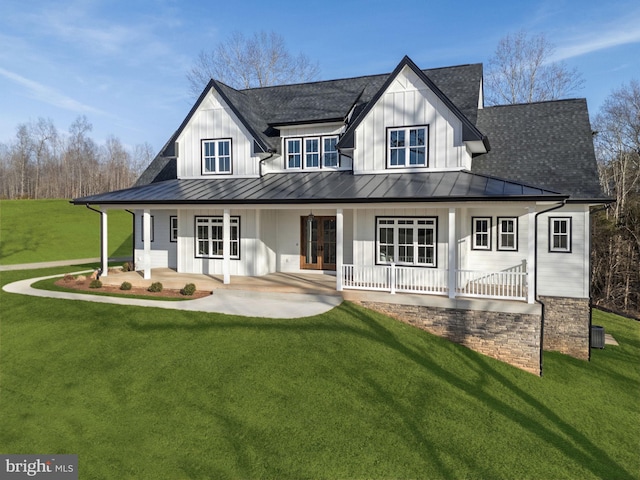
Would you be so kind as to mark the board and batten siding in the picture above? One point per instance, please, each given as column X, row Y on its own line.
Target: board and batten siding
column 163, row 250
column 364, row 232
column 493, row 260
column 408, row 102
column 215, row 120
column 565, row 274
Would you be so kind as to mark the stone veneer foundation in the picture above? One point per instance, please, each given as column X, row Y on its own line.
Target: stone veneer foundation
column 566, row 325
column 512, row 337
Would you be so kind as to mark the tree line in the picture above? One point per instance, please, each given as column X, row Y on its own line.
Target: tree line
column 42, row 162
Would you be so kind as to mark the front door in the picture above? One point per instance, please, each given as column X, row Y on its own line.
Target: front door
column 318, row 243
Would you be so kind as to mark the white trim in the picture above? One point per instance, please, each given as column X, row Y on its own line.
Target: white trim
column 226, row 245
column 104, row 243
column 451, row 264
column 339, row 248
column 146, row 256
column 531, row 254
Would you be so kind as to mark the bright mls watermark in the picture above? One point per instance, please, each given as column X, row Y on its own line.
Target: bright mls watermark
column 50, row 467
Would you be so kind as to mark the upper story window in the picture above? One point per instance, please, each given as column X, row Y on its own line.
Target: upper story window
column 330, row 152
column 311, row 152
column 407, row 146
column 560, row 235
column 216, row 156
column 294, row 153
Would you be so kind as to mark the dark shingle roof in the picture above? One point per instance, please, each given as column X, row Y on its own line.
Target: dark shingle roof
column 327, row 187
column 548, row 144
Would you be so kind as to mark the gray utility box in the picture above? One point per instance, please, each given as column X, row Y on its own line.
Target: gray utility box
column 597, row 336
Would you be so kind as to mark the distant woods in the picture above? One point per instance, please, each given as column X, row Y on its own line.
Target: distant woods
column 616, row 230
column 43, row 162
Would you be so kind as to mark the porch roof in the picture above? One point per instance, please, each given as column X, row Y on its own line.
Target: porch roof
column 327, row 187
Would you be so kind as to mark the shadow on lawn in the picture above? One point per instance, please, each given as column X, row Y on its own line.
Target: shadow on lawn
column 570, row 442
column 573, row 444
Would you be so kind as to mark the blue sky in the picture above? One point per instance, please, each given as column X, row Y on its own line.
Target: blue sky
column 123, row 63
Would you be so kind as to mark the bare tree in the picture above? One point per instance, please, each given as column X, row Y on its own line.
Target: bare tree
column 521, row 71
column 258, row 61
column 616, row 248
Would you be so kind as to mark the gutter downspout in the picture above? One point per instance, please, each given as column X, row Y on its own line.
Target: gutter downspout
column 103, row 261
column 272, row 153
column 133, row 234
column 535, row 280
column 601, row 209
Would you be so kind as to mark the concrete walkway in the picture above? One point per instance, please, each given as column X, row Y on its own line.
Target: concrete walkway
column 231, row 302
column 57, row 263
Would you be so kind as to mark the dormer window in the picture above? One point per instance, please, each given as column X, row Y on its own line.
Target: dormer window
column 216, row 156
column 407, row 146
column 311, row 153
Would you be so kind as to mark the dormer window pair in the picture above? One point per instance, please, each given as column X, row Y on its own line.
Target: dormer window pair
column 311, row 153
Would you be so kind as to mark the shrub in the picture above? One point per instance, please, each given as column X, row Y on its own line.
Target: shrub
column 95, row 284
column 127, row 267
column 189, row 289
column 69, row 278
column 125, row 286
column 155, row 287
column 81, row 279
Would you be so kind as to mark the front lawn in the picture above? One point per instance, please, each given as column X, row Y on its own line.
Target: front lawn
column 151, row 393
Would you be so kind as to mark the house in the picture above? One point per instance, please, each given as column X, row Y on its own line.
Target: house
column 474, row 220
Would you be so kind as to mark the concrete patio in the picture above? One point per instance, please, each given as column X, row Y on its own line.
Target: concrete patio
column 305, row 283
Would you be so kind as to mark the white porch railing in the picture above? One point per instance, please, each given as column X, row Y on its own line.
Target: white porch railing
column 507, row 285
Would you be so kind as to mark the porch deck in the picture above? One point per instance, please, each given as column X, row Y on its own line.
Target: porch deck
column 313, row 284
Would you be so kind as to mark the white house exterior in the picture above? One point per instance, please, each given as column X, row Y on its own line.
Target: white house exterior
column 401, row 183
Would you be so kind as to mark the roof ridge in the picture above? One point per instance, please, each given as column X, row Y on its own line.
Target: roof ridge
column 357, row 77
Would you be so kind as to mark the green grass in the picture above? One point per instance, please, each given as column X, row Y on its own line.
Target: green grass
column 149, row 393
column 46, row 230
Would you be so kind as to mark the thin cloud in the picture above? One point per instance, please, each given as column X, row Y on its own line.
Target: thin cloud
column 614, row 36
column 49, row 95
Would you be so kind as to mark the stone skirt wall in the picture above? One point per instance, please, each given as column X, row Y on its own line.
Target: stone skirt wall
column 566, row 325
column 513, row 338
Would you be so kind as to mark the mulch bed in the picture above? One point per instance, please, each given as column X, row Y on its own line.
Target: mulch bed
column 140, row 291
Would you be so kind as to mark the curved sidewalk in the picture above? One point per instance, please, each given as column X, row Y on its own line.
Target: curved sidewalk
column 230, row 302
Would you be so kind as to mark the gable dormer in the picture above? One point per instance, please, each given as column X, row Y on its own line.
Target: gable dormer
column 217, row 139
column 411, row 125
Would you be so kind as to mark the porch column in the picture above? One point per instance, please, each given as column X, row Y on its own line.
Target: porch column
column 146, row 244
column 452, row 253
column 104, row 243
column 226, row 246
column 339, row 248
column 531, row 255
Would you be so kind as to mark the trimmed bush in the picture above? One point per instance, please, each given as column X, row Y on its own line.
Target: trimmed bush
column 95, row 284
column 189, row 289
column 125, row 286
column 155, row 287
column 127, row 267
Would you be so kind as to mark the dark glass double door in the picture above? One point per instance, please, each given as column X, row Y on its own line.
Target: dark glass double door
column 318, row 243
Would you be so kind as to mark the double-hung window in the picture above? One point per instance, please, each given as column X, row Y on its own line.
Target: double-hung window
column 330, row 152
column 407, row 146
column 294, row 153
column 407, row 241
column 210, row 239
column 216, row 156
column 312, row 152
column 481, row 233
column 507, row 233
column 560, row 234
column 173, row 228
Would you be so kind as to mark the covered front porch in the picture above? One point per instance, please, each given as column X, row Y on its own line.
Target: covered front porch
column 273, row 243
